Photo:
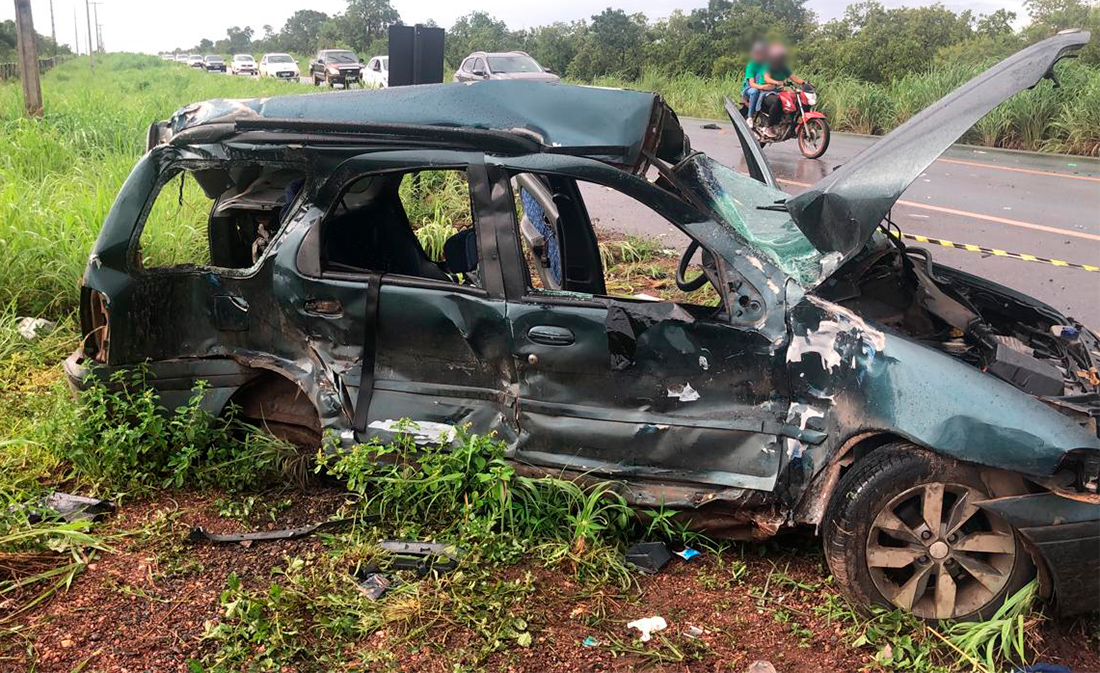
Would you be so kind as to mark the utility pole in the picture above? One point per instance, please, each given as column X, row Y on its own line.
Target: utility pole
column 88, row 16
column 53, row 30
column 28, row 58
column 98, row 34
column 76, row 30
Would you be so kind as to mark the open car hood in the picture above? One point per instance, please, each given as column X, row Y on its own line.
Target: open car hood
column 842, row 211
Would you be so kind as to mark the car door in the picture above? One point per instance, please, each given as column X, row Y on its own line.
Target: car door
column 405, row 347
column 630, row 387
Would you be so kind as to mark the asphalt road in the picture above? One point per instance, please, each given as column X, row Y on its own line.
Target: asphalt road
column 1044, row 205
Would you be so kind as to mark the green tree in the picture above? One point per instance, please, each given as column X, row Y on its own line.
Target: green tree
column 368, row 20
column 301, row 32
column 615, row 44
column 239, row 39
column 477, row 31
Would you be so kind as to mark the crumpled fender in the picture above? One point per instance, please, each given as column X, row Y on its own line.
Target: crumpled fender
column 859, row 379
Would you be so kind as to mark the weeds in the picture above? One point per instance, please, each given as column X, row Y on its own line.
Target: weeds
column 126, row 441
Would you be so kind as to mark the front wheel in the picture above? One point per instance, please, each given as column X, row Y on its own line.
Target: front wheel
column 813, row 137
column 903, row 530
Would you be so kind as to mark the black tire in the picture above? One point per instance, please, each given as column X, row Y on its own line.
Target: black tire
column 316, row 82
column 820, row 128
column 875, row 484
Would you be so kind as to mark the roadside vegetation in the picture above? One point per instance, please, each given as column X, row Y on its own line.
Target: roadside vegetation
column 542, row 585
column 874, row 66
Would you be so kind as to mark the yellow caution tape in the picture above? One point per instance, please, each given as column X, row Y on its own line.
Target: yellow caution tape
column 1000, row 253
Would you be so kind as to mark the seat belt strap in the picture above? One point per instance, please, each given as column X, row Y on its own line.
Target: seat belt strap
column 370, row 339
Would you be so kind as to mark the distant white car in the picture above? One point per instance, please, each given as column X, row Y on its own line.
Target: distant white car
column 243, row 64
column 282, row 66
column 376, row 74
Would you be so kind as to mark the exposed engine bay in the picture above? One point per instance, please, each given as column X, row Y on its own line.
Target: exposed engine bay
column 981, row 323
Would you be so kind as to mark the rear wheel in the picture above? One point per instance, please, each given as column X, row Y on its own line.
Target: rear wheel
column 903, row 530
column 813, row 137
column 316, row 82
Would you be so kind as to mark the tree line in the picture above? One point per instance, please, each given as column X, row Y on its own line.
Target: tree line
column 870, row 41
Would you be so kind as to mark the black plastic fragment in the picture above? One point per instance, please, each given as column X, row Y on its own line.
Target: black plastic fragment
column 200, row 535
column 649, row 557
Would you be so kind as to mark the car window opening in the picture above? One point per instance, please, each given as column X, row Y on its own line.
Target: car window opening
column 568, row 254
column 217, row 217
column 415, row 224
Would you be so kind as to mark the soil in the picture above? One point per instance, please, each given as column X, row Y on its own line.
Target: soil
column 144, row 606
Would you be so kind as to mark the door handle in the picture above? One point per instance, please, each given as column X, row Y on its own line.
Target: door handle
column 550, row 335
column 329, row 307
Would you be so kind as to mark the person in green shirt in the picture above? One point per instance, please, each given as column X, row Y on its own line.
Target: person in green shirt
column 752, row 87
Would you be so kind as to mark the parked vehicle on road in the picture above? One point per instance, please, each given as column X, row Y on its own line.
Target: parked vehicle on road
column 336, row 66
column 799, row 121
column 243, row 64
column 502, row 65
column 213, row 63
column 938, row 429
column 281, row 66
column 377, row 72
column 196, row 61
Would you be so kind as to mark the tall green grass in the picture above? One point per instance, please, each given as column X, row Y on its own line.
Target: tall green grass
column 1044, row 118
column 59, row 175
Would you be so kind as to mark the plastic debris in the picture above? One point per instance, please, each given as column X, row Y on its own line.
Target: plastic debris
column 648, row 626
column 760, row 666
column 29, row 328
column 684, row 393
column 590, row 641
column 710, row 126
column 373, row 585
column 693, row 632
column 687, row 553
column 649, row 557
column 70, row 508
column 1043, row 668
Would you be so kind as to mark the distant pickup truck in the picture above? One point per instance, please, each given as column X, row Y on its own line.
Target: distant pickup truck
column 336, row 66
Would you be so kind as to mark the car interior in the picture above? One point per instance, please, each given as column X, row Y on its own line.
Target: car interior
column 369, row 232
column 235, row 210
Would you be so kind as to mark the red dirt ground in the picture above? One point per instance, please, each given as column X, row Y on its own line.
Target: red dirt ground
column 116, row 617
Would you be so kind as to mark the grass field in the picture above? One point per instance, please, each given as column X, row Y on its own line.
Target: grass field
column 543, row 588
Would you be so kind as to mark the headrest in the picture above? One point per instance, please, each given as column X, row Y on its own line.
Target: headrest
column 460, row 251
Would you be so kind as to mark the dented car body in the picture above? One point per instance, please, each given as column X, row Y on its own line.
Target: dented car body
column 832, row 344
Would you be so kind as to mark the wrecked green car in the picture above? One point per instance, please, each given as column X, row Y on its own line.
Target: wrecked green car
column 939, row 430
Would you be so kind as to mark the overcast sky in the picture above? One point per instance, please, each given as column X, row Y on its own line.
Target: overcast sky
column 161, row 25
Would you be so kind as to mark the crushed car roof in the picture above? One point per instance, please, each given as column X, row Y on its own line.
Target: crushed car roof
column 613, row 125
column 842, row 211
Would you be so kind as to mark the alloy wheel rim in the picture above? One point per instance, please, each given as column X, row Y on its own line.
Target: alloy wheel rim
column 933, row 552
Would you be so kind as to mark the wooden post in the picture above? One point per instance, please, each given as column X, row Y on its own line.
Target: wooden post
column 91, row 49
column 53, row 31
column 28, row 58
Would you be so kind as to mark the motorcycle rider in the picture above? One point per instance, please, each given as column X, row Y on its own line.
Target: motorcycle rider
column 752, row 86
column 776, row 74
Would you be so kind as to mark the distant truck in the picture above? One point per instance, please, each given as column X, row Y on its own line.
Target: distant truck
column 336, row 66
column 213, row 63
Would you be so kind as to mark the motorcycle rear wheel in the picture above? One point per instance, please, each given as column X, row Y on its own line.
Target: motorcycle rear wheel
column 813, row 137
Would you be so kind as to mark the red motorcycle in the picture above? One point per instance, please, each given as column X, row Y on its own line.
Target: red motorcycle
column 799, row 120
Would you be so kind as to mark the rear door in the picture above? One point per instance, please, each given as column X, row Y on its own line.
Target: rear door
column 621, row 385
column 408, row 343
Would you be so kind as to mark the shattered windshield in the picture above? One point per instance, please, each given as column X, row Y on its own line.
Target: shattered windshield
column 736, row 200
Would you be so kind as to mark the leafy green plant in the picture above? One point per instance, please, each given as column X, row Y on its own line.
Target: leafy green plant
column 1003, row 637
column 126, row 440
